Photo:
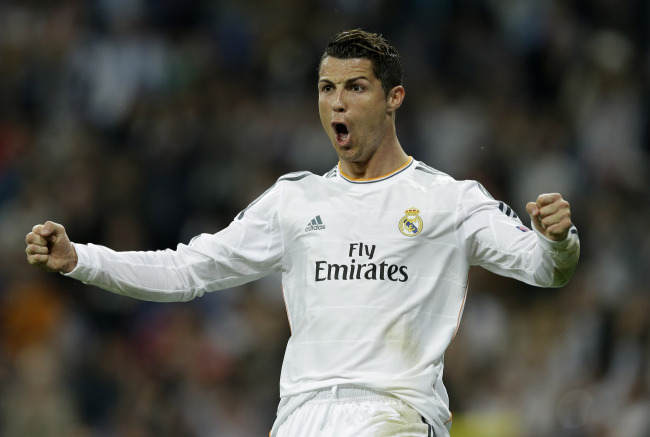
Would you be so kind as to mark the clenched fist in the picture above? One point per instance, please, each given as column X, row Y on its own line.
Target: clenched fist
column 551, row 216
column 50, row 249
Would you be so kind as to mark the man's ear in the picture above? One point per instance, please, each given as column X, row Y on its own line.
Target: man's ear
column 395, row 98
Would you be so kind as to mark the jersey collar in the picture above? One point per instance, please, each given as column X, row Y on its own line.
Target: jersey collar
column 377, row 179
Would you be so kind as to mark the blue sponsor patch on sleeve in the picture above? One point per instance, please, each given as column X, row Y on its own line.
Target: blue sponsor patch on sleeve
column 523, row 228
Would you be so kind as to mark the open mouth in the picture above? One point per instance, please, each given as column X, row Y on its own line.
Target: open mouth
column 342, row 133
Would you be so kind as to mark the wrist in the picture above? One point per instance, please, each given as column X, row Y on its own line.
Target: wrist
column 72, row 263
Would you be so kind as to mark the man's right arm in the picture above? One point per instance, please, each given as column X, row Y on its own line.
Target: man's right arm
column 249, row 248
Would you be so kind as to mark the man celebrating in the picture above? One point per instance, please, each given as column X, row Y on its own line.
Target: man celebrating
column 374, row 258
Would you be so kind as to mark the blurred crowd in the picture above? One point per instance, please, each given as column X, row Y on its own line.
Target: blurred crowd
column 140, row 123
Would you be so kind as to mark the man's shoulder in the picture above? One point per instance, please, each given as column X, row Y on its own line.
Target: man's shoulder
column 433, row 180
column 307, row 177
column 428, row 175
column 294, row 179
column 299, row 180
column 295, row 176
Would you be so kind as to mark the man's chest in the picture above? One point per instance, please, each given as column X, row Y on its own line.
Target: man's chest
column 396, row 214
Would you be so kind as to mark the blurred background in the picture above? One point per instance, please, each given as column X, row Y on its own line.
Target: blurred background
column 141, row 123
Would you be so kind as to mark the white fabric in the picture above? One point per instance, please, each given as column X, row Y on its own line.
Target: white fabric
column 367, row 303
column 348, row 411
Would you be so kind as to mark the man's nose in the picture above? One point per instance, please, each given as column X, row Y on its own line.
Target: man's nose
column 339, row 104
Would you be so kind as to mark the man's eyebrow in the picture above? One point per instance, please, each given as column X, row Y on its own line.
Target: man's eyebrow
column 352, row 79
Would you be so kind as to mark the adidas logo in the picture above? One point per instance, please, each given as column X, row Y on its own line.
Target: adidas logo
column 316, row 224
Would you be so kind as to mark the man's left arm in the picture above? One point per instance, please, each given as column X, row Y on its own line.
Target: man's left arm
column 497, row 240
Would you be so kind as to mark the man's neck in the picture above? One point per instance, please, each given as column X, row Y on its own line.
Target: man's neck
column 377, row 166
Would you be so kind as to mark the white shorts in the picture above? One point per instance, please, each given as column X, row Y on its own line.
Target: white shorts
column 353, row 411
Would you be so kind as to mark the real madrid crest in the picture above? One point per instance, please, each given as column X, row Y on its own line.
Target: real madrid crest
column 411, row 224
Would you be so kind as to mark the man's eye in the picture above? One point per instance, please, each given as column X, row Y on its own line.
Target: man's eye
column 326, row 88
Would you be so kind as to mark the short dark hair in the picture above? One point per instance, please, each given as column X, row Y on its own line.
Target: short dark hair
column 358, row 43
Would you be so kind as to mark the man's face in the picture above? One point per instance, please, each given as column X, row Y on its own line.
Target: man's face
column 353, row 108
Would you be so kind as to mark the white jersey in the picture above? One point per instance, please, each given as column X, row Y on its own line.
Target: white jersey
column 374, row 274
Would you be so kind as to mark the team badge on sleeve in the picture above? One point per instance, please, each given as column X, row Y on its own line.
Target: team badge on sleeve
column 411, row 224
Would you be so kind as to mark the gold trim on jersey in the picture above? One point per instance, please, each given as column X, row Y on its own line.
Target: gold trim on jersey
column 386, row 176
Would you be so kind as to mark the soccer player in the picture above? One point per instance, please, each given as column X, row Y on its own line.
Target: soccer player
column 374, row 258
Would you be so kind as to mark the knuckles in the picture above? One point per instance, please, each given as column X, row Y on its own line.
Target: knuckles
column 548, row 198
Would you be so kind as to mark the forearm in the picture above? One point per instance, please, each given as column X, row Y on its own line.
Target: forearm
column 161, row 276
column 538, row 261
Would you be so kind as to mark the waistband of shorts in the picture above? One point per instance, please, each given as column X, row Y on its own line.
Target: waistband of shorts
column 350, row 392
